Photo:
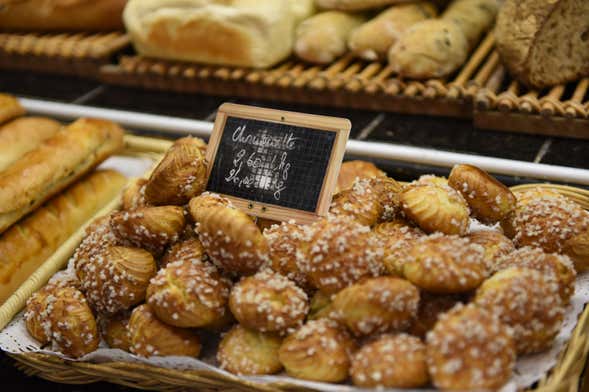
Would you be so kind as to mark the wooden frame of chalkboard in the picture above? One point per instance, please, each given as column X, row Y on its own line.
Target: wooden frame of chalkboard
column 316, row 145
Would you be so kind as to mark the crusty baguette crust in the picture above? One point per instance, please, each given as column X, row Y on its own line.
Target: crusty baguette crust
column 45, row 171
column 9, row 107
column 23, row 135
column 68, row 15
column 26, row 245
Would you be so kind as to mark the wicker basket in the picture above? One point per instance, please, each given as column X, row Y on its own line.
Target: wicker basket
column 564, row 377
column 66, row 54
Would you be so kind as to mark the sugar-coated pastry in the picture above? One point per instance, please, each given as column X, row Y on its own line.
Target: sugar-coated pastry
column 248, row 352
column 189, row 249
column 150, row 228
column 430, row 179
column 189, row 294
column 199, row 204
column 116, row 278
column 435, row 207
column 265, row 224
column 134, row 195
column 342, row 252
column 396, row 237
column 383, row 304
column 289, row 242
column 526, row 300
column 151, row 337
column 321, row 306
column 560, row 267
column 577, row 248
column 61, row 316
column 391, row 361
column 231, row 239
column 496, row 244
column 114, row 331
column 548, row 220
column 350, row 171
column 446, row 264
column 320, row 351
column 470, row 349
column 431, row 306
column 180, row 175
column 368, row 201
column 268, row 302
column 489, row 200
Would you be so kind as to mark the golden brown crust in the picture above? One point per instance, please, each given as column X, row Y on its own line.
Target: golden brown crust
column 199, row 204
column 391, row 361
column 396, row 237
column 150, row 337
column 342, row 252
column 560, row 267
column 189, row 293
column 58, row 162
column 351, row 171
column 288, row 243
column 60, row 15
column 526, row 300
column 489, row 200
column 496, row 244
column 66, row 321
column 436, row 208
column 150, row 228
column 320, row 306
column 114, row 331
column 180, row 176
column 320, row 351
column 446, row 264
column 248, row 352
column 231, row 239
column 431, row 306
column 23, row 135
column 9, row 107
column 383, row 304
column 189, row 249
column 268, row 302
column 469, row 349
column 134, row 195
column 30, row 242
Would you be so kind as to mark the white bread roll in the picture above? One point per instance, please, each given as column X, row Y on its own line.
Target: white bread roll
column 250, row 33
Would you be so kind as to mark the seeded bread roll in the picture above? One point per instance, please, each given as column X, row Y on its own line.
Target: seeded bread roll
column 530, row 37
column 323, row 38
column 372, row 40
column 23, row 135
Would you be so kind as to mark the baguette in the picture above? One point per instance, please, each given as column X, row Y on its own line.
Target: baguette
column 70, row 15
column 373, row 39
column 26, row 245
column 23, row 135
column 9, row 108
column 323, row 37
column 45, row 171
column 355, row 5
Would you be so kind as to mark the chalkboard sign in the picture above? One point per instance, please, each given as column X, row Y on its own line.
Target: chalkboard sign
column 276, row 164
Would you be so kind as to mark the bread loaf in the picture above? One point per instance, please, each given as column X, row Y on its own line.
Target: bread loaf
column 355, row 5
column 544, row 42
column 473, row 16
column 26, row 245
column 45, row 171
column 323, row 37
column 23, row 135
column 68, row 15
column 9, row 107
column 250, row 33
column 372, row 40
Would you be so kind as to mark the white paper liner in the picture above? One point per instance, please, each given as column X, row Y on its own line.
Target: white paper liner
column 529, row 369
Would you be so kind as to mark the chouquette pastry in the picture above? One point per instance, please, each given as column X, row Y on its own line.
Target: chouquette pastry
column 396, row 238
column 134, row 195
column 431, row 307
column 350, row 171
column 320, row 306
column 268, row 302
column 470, row 349
column 190, row 249
column 495, row 244
column 151, row 337
column 248, row 352
column 391, row 361
column 113, row 330
column 320, row 350
column 383, row 304
column 526, row 300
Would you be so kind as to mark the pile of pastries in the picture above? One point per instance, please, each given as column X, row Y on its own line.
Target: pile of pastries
column 395, row 288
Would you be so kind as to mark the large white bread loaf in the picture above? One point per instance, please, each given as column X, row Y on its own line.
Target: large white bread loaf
column 544, row 42
column 251, row 33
